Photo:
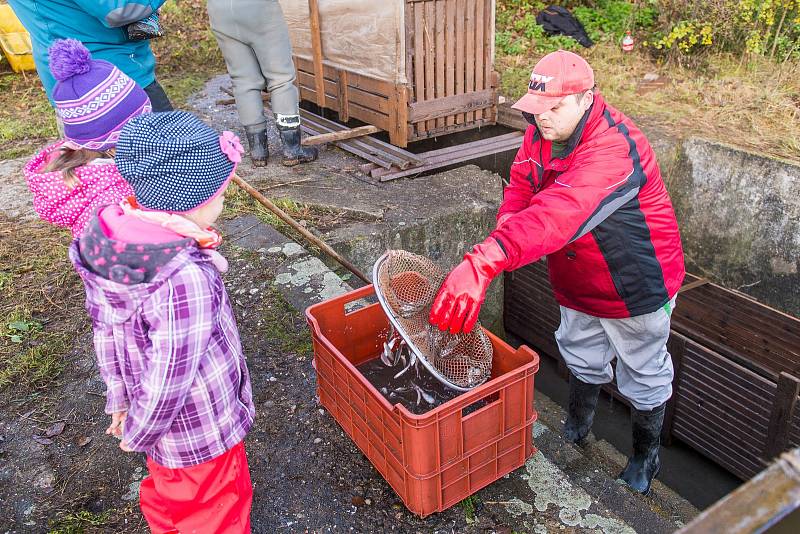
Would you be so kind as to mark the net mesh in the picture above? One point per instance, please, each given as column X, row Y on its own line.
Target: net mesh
column 407, row 284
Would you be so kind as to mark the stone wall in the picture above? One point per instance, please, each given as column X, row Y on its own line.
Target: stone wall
column 739, row 215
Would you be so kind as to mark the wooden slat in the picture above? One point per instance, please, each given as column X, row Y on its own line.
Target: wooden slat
column 783, row 408
column 481, row 149
column 316, row 48
column 742, row 466
column 430, row 55
column 359, row 81
column 344, row 96
column 469, row 56
column 341, row 135
column 450, row 56
column 757, row 506
column 355, row 96
column 676, row 345
column 731, row 309
column 460, row 48
column 480, row 54
column 409, row 48
column 442, row 107
column 419, row 56
column 401, row 93
column 438, row 29
column 428, row 134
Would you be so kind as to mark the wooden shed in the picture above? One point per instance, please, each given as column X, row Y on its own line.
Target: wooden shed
column 414, row 68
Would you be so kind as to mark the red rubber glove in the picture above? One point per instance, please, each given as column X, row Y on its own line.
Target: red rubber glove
column 458, row 303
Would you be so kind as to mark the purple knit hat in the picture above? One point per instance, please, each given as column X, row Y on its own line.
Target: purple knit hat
column 93, row 97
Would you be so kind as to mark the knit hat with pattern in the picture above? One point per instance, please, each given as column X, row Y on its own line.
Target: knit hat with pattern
column 93, row 97
column 175, row 162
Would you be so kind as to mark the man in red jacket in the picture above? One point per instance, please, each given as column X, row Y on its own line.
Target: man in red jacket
column 586, row 192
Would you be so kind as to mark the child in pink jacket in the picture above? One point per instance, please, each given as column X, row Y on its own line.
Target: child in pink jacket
column 73, row 177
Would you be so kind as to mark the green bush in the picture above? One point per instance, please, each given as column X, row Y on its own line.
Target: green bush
column 672, row 29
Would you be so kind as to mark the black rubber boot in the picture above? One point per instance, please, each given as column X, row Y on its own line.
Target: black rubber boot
column 259, row 147
column 293, row 151
column 582, row 403
column 644, row 465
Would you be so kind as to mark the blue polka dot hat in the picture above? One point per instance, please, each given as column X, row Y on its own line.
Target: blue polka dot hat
column 174, row 161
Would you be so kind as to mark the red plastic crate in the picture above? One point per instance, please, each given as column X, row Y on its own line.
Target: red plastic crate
column 436, row 459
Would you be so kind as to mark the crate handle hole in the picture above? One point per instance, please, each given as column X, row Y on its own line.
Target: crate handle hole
column 355, row 305
column 478, row 404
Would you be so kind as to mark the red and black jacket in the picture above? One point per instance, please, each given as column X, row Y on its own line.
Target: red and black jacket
column 601, row 215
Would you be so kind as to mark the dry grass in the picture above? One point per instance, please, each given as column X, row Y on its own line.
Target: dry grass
column 753, row 105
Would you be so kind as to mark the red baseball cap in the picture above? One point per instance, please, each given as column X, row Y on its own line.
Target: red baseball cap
column 557, row 75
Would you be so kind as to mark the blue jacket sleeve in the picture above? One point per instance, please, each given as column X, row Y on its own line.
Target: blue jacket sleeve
column 117, row 13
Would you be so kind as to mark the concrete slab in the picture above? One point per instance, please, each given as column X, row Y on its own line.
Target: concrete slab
column 15, row 199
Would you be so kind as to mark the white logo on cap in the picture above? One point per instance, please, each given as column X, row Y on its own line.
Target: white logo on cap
column 538, row 82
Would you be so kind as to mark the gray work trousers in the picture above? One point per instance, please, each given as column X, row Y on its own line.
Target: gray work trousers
column 254, row 40
column 588, row 344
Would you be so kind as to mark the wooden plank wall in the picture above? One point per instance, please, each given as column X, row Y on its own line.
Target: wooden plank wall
column 735, row 414
column 449, row 65
column 451, row 79
column 351, row 95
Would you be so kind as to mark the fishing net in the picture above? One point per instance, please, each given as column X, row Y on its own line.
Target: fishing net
column 406, row 285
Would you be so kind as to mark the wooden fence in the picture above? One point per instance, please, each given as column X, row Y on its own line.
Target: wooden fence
column 736, row 385
column 449, row 65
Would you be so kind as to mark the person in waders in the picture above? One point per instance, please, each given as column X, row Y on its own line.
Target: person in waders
column 586, row 192
column 254, row 40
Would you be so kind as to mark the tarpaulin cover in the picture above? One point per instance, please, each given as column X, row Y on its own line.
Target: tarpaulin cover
column 362, row 36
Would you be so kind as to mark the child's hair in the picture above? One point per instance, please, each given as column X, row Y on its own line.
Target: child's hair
column 69, row 159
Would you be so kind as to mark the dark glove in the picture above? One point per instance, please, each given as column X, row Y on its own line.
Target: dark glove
column 459, row 300
column 148, row 28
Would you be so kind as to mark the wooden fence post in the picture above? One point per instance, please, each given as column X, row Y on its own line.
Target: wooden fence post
column 780, row 420
column 316, row 48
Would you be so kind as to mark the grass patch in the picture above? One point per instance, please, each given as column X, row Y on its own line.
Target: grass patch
column 470, row 506
column 42, row 309
column 80, row 522
column 279, row 325
column 27, row 121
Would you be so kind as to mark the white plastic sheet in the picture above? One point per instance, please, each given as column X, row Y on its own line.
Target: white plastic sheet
column 362, row 36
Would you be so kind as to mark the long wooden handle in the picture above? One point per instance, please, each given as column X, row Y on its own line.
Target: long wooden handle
column 285, row 217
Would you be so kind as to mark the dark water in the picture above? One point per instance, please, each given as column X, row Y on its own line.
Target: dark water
column 402, row 389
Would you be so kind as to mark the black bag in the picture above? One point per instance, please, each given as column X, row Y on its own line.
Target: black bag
column 556, row 20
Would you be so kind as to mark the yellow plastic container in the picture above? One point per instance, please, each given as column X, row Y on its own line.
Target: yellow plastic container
column 15, row 41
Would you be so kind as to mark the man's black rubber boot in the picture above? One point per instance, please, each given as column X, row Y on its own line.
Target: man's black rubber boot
column 644, row 465
column 582, row 403
column 259, row 147
column 293, row 151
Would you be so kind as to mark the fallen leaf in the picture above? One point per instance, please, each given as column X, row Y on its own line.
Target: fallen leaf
column 82, row 442
column 42, row 440
column 56, row 429
column 357, row 500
